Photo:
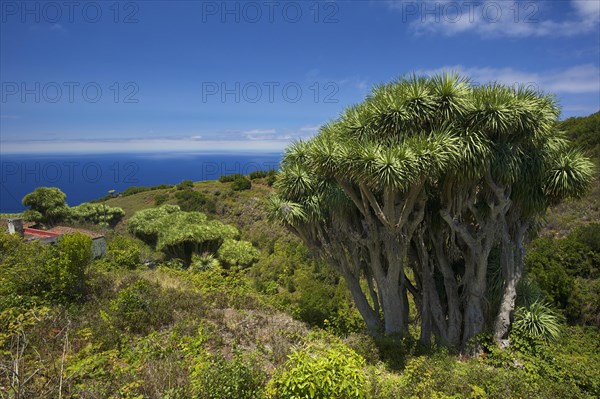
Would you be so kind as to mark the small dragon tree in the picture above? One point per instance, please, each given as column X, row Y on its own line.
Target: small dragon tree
column 180, row 235
column 430, row 174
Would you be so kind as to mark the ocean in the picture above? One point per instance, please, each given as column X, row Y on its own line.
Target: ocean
column 86, row 177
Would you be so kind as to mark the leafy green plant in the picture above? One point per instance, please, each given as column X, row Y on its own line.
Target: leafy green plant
column 538, row 321
column 218, row 378
column 47, row 205
column 139, row 307
column 235, row 253
column 160, row 199
column 229, row 178
column 321, row 371
column 190, row 201
column 123, row 252
column 204, row 262
column 66, row 266
column 185, row 185
column 241, row 183
column 97, row 214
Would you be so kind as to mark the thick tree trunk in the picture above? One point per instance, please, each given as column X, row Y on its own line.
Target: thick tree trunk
column 512, row 269
column 475, row 284
column 455, row 318
column 507, row 305
column 474, row 317
column 370, row 316
column 392, row 309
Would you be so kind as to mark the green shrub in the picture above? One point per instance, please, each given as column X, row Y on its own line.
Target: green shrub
column 218, row 378
column 56, row 273
column 185, row 185
column 237, row 253
column 139, row 308
column 194, row 201
column 271, row 179
column 241, row 183
column 567, row 271
column 66, row 267
column 204, row 262
column 23, row 272
column 229, row 178
column 160, row 199
column 123, row 252
column 537, row 321
column 47, row 205
column 134, row 190
column 329, row 370
column 260, row 174
column 97, row 214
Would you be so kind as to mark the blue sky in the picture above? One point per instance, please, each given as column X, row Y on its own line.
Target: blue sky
column 199, row 76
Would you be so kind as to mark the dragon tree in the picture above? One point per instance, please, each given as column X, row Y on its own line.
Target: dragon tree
column 428, row 188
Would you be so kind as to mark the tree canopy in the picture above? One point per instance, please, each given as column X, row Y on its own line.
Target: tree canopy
column 47, row 205
column 181, row 234
column 413, row 190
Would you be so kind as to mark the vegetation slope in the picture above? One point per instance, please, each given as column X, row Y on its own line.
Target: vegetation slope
column 139, row 325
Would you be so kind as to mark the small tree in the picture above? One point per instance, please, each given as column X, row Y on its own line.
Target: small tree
column 47, row 205
column 180, row 234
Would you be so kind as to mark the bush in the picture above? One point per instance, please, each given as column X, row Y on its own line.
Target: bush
column 237, row 253
column 22, row 269
column 204, row 262
column 321, row 371
column 229, row 178
column 139, row 308
column 123, row 252
column 66, row 266
column 537, row 321
column 271, row 180
column 567, row 270
column 218, row 378
column 160, row 199
column 194, row 201
column 259, row 174
column 134, row 190
column 185, row 185
column 241, row 183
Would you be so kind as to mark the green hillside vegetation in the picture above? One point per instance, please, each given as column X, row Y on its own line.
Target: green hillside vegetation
column 250, row 313
column 583, row 132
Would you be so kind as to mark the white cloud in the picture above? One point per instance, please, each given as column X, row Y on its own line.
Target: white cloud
column 494, row 18
column 589, row 9
column 142, row 146
column 231, row 141
column 310, row 129
column 578, row 79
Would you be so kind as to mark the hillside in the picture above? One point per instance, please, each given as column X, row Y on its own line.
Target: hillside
column 139, row 325
column 584, row 132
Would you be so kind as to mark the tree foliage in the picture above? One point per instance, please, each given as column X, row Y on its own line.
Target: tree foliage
column 181, row 234
column 237, row 253
column 96, row 213
column 567, row 270
column 430, row 175
column 46, row 205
